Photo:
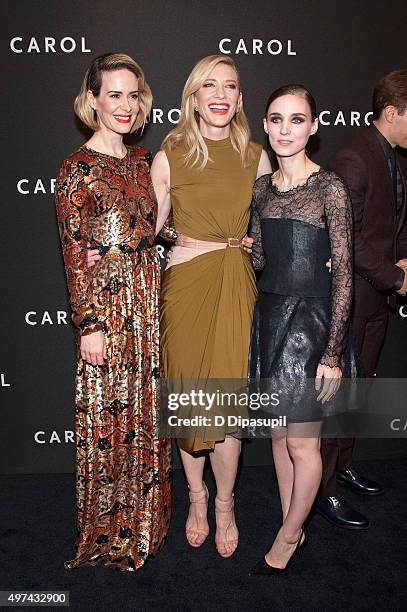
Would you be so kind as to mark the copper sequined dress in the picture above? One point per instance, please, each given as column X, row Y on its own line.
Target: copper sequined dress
column 123, row 488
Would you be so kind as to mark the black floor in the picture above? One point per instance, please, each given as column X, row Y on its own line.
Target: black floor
column 339, row 570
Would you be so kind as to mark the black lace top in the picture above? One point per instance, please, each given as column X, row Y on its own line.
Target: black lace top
column 322, row 206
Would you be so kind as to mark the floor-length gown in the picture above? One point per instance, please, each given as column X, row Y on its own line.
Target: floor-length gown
column 207, row 303
column 123, row 486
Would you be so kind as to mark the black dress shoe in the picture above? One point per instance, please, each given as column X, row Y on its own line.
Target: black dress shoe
column 262, row 568
column 337, row 511
column 357, row 483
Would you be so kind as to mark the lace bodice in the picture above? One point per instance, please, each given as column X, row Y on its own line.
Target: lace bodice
column 323, row 202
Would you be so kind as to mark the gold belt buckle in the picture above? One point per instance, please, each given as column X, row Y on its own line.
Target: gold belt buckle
column 234, row 243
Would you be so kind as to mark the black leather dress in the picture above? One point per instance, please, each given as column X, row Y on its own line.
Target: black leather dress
column 302, row 315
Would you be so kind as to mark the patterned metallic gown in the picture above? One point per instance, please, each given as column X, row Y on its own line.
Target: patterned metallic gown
column 123, row 486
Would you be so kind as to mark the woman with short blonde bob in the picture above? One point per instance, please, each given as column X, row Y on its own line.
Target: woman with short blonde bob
column 105, row 198
column 205, row 172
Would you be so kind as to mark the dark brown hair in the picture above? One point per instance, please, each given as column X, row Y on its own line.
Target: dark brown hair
column 296, row 90
column 391, row 90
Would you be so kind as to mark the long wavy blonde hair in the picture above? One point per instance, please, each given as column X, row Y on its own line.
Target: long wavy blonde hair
column 187, row 132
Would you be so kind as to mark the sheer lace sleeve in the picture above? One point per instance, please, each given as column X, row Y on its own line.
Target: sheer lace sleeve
column 258, row 257
column 339, row 221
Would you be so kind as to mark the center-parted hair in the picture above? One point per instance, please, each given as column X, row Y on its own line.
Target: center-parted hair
column 187, row 133
column 93, row 82
column 295, row 90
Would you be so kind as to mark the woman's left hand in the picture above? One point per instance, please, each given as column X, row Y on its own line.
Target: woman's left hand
column 246, row 244
column 327, row 381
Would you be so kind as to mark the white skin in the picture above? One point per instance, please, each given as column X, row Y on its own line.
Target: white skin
column 393, row 126
column 296, row 450
column 117, row 107
column 216, row 102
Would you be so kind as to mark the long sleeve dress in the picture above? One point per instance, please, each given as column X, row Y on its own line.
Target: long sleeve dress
column 302, row 314
column 123, row 487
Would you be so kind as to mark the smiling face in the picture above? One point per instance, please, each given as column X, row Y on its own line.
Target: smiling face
column 289, row 124
column 117, row 104
column 217, row 99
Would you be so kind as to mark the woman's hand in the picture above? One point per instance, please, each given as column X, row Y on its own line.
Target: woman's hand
column 93, row 348
column 329, row 265
column 246, row 243
column 169, row 254
column 327, row 381
column 92, row 256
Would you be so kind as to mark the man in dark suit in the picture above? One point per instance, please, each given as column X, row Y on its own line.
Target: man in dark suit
column 376, row 176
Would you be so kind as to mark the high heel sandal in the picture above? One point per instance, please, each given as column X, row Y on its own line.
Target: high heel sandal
column 262, row 568
column 201, row 498
column 228, row 507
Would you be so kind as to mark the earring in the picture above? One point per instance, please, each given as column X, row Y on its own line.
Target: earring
column 238, row 109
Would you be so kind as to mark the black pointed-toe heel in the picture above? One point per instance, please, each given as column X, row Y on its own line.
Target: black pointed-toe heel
column 262, row 568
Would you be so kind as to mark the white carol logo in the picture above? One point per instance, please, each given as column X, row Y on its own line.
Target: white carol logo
column 48, row 44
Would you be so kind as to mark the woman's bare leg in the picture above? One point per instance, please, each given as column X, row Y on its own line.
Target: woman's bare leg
column 307, row 466
column 284, row 468
column 197, row 527
column 224, row 461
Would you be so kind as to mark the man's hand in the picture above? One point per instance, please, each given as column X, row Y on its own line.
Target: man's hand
column 93, row 348
column 246, row 244
column 402, row 263
column 92, row 256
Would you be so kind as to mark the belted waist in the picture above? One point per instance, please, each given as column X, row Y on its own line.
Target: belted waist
column 187, row 248
column 186, row 241
column 123, row 247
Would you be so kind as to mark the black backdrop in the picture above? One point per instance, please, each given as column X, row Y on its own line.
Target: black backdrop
column 338, row 50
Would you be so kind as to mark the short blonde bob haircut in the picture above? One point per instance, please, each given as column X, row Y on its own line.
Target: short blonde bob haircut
column 187, row 133
column 93, row 82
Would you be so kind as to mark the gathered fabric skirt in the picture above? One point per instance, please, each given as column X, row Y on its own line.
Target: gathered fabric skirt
column 289, row 337
column 206, row 314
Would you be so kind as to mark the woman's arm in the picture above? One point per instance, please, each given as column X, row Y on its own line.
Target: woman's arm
column 264, row 165
column 160, row 175
column 72, row 201
column 258, row 257
column 339, row 221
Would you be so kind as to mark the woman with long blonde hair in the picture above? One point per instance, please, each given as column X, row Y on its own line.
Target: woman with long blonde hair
column 205, row 172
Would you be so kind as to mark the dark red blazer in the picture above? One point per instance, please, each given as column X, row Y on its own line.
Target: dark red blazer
column 379, row 239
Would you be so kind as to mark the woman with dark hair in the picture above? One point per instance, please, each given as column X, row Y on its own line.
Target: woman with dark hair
column 301, row 217
column 105, row 198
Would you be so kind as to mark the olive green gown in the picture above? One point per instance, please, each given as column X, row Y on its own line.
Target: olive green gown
column 207, row 303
